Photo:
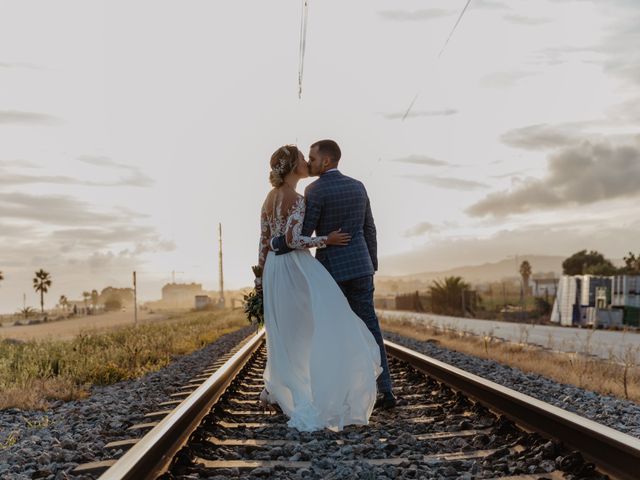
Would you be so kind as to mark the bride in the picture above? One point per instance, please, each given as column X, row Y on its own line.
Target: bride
column 322, row 361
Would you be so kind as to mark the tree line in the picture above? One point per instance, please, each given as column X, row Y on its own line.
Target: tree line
column 42, row 282
column 595, row 263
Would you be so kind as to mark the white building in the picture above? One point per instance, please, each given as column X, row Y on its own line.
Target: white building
column 566, row 308
column 590, row 284
column 545, row 287
column 626, row 291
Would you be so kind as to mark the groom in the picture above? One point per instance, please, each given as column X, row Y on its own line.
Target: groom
column 333, row 202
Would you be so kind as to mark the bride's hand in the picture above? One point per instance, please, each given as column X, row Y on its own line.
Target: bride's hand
column 338, row 238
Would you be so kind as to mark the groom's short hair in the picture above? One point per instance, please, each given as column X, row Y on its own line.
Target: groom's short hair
column 330, row 148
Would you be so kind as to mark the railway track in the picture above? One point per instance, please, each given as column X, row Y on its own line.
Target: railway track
column 452, row 424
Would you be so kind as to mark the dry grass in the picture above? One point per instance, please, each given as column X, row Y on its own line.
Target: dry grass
column 34, row 372
column 620, row 379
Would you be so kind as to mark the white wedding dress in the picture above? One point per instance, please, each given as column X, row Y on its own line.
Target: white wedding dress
column 322, row 361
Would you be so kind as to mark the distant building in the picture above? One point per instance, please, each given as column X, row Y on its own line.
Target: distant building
column 202, row 302
column 566, row 308
column 590, row 284
column 180, row 294
column 545, row 286
column 626, row 296
column 598, row 301
column 626, row 291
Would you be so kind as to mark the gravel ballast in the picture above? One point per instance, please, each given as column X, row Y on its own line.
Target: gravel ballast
column 51, row 444
column 618, row 414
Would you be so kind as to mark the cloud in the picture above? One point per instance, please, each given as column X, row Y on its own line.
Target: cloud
column 522, row 20
column 13, row 117
column 577, row 175
column 622, row 57
column 17, row 230
column 625, row 112
column 489, row 5
column 415, row 15
column 422, row 160
column 101, row 236
column 30, row 66
column 136, row 178
column 421, row 113
column 541, row 137
column 56, row 230
column 503, row 79
column 448, row 182
column 18, row 163
column 50, row 209
column 512, row 174
column 7, row 179
column 420, row 229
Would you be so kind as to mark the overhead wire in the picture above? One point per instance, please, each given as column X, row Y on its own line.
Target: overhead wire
column 455, row 26
column 303, row 44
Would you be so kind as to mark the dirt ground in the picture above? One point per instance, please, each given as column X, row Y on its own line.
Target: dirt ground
column 66, row 329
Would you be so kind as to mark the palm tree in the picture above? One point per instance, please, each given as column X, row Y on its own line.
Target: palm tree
column 446, row 295
column 41, row 283
column 64, row 302
column 525, row 273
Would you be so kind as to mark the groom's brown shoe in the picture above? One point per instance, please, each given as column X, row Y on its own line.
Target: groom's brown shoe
column 386, row 401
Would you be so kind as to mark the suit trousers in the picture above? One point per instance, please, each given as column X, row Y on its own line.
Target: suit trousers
column 359, row 293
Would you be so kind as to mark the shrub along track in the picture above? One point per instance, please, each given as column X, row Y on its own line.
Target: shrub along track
column 451, row 425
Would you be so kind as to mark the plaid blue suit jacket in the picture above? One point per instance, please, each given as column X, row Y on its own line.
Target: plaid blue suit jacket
column 336, row 201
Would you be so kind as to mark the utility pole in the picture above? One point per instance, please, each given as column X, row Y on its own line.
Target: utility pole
column 220, row 269
column 135, row 299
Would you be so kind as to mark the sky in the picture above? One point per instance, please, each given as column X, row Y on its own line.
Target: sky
column 128, row 130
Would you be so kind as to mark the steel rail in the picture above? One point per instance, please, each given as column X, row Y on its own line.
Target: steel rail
column 613, row 452
column 152, row 455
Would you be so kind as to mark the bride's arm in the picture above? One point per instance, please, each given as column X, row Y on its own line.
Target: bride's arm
column 293, row 231
column 265, row 236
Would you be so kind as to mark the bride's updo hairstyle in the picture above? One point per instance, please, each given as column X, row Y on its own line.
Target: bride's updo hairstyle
column 283, row 162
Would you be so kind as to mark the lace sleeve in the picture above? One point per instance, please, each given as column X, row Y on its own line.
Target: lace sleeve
column 265, row 237
column 293, row 230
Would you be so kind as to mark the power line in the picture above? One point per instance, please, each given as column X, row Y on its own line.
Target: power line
column 455, row 26
column 303, row 44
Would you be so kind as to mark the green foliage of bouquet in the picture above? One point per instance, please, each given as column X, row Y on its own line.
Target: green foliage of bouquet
column 253, row 302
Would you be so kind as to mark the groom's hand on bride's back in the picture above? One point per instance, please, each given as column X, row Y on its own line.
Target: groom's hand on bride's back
column 338, row 238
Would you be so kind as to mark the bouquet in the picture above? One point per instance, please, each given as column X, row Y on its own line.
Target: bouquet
column 253, row 304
